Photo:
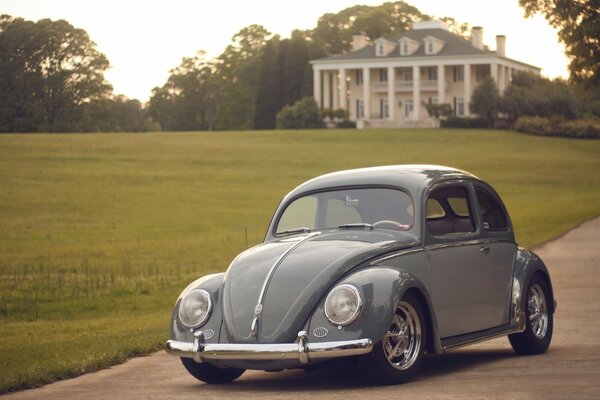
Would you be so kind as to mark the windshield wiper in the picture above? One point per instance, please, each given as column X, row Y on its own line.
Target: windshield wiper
column 360, row 225
column 301, row 229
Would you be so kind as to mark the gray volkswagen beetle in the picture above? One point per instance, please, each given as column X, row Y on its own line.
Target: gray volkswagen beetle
column 372, row 267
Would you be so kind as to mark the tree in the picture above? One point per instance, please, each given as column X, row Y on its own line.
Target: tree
column 334, row 31
column 237, row 74
column 578, row 24
column 485, row 100
column 304, row 114
column 189, row 99
column 48, row 70
column 529, row 94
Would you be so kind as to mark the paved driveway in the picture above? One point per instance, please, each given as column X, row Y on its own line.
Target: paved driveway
column 569, row 370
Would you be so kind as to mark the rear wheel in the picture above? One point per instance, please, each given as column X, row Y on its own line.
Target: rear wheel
column 539, row 323
column 399, row 354
column 209, row 373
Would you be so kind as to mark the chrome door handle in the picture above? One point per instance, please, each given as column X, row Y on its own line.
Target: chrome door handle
column 485, row 249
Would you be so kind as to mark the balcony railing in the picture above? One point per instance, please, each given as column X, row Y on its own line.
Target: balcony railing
column 405, row 86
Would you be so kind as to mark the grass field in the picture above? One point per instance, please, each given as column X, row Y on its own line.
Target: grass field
column 99, row 233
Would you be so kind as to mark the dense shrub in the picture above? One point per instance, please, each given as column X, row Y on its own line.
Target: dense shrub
column 460, row 122
column 556, row 126
column 304, row 114
column 346, row 123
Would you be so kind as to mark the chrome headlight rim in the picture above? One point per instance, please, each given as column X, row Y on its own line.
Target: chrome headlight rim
column 206, row 315
column 354, row 315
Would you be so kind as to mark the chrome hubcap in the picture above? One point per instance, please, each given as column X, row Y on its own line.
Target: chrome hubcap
column 537, row 311
column 402, row 342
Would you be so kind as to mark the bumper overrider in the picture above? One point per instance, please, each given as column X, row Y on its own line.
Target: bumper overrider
column 301, row 350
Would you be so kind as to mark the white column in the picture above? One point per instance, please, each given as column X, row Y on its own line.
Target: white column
column 391, row 72
column 317, row 87
column 326, row 90
column 501, row 80
column 494, row 72
column 335, row 90
column 367, row 94
column 467, row 92
column 343, row 103
column 416, row 93
column 441, row 84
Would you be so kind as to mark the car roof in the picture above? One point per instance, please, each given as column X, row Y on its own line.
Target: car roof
column 412, row 177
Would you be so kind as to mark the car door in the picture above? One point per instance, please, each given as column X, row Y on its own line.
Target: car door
column 459, row 273
column 502, row 250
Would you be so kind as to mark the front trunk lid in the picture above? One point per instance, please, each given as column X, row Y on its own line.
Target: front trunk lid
column 295, row 274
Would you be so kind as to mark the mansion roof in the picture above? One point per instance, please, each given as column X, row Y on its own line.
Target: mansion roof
column 455, row 45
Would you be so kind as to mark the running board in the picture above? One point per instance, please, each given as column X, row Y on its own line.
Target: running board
column 455, row 342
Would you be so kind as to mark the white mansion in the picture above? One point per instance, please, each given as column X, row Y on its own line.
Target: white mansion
column 384, row 83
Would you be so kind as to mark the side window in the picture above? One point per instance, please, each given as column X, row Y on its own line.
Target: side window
column 449, row 211
column 492, row 214
column 434, row 209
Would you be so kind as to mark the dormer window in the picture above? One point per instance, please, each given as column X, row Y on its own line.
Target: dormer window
column 383, row 47
column 408, row 46
column 433, row 45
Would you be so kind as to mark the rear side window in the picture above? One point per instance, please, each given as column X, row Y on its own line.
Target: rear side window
column 492, row 214
column 449, row 211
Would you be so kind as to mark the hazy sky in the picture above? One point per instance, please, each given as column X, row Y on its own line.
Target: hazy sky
column 143, row 40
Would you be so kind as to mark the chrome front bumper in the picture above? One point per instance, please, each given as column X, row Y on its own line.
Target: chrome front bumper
column 301, row 350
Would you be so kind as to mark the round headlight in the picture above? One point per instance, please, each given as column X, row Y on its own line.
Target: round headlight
column 342, row 305
column 194, row 308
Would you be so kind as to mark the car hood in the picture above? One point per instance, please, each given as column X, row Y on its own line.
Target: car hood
column 302, row 277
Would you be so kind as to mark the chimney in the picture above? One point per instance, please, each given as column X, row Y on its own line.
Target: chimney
column 477, row 37
column 359, row 41
column 501, row 45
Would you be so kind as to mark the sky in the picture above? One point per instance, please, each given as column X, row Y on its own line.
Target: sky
column 143, row 40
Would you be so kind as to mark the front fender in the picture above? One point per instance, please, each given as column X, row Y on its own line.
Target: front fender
column 381, row 289
column 213, row 284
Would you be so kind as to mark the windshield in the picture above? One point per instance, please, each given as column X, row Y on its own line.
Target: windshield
column 351, row 208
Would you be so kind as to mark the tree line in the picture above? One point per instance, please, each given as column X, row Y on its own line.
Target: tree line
column 52, row 75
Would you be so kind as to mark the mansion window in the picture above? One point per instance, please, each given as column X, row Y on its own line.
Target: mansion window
column 408, row 76
column 408, row 108
column 432, row 73
column 359, row 77
column 404, row 48
column 459, row 106
column 459, row 73
column 360, row 109
column 383, row 76
column 383, row 108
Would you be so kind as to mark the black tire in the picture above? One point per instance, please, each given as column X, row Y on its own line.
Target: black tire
column 539, row 319
column 209, row 373
column 408, row 318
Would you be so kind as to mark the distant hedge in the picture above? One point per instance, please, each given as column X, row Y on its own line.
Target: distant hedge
column 459, row 122
column 578, row 128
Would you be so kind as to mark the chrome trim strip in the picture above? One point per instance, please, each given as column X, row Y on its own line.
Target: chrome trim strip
column 263, row 291
column 467, row 243
column 482, row 339
column 301, row 350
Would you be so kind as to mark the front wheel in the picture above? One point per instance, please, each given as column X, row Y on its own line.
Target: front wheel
column 399, row 354
column 209, row 373
column 538, row 330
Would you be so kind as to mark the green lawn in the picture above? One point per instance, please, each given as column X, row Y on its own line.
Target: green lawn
column 99, row 233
